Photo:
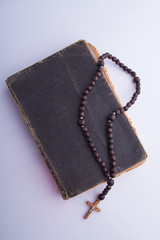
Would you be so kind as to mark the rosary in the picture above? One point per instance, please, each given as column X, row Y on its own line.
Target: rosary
column 110, row 120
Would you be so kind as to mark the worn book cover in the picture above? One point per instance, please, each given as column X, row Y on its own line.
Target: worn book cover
column 48, row 96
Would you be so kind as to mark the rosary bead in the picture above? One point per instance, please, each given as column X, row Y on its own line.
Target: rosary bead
column 114, row 59
column 113, row 175
column 84, row 97
column 118, row 112
column 86, row 134
column 100, row 63
column 81, row 114
column 83, row 103
column 136, row 79
column 135, row 94
column 121, row 65
column 82, row 108
column 111, row 146
column 99, row 160
column 108, row 187
column 111, row 140
column 109, row 56
column 125, row 108
column 103, row 164
column 122, row 110
column 113, row 169
column 101, row 196
column 138, row 91
column 129, row 104
column 96, row 154
column 112, row 117
column 95, row 78
column 89, row 87
column 133, row 74
column 113, row 163
column 110, row 135
column 109, row 130
column 98, row 74
column 107, row 175
column 89, row 139
column 106, row 55
column 125, row 68
column 105, row 191
column 86, row 92
column 132, row 101
column 111, row 152
column 93, row 83
column 110, row 182
column 94, row 149
column 91, row 144
column 110, row 124
column 105, row 169
column 117, row 62
column 113, row 158
column 81, row 122
column 84, row 129
column 129, row 70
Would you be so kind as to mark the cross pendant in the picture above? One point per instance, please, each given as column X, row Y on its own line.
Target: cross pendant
column 93, row 207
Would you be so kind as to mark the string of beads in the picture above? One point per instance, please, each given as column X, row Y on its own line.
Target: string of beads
column 110, row 120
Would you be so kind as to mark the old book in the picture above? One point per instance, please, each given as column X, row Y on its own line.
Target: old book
column 48, row 95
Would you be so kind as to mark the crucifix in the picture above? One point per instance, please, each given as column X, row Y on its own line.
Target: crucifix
column 93, row 207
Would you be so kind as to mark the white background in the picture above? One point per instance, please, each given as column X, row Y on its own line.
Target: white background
column 31, row 206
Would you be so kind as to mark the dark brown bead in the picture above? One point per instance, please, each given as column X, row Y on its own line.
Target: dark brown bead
column 83, row 103
column 118, row 112
column 129, row 70
column 138, row 91
column 114, row 59
column 101, row 196
column 109, row 56
column 82, row 108
column 113, row 169
column 107, row 175
column 110, row 135
column 113, row 175
column 105, row 191
column 106, row 55
column 109, row 130
column 104, row 169
column 125, row 108
column 85, row 92
column 95, row 78
column 81, row 122
column 121, row 65
column 135, row 94
column 112, row 117
column 89, row 87
column 113, row 158
column 136, row 79
column 94, row 149
column 108, row 187
column 111, row 140
column 122, row 110
column 91, row 144
column 110, row 182
column 86, row 134
column 110, row 124
column 96, row 154
column 132, row 101
column 133, row 74
column 99, row 160
column 129, row 104
column 98, row 74
column 111, row 146
column 113, row 163
column 111, row 152
column 117, row 62
column 103, row 164
column 93, row 83
column 84, row 129
column 81, row 114
column 84, row 97
column 125, row 68
column 89, row 139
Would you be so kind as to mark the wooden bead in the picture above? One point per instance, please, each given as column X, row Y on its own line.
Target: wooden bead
column 103, row 164
column 110, row 182
column 101, row 196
